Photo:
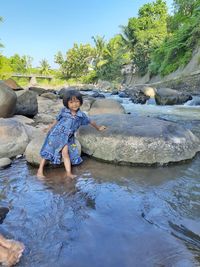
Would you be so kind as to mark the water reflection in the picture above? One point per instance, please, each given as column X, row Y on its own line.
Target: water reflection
column 109, row 216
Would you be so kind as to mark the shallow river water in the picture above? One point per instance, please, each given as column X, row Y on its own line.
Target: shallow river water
column 110, row 216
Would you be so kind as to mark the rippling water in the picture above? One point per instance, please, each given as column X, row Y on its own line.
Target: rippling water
column 109, row 216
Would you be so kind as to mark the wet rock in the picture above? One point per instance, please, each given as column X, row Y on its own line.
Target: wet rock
column 14, row 138
column 26, row 103
column 103, row 106
column 138, row 140
column 167, row 96
column 32, row 152
column 8, row 99
column 97, row 94
column 122, row 94
column 5, row 162
column 3, row 212
column 138, row 97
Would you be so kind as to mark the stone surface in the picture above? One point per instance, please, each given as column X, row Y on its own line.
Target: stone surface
column 14, row 138
column 32, row 152
column 5, row 162
column 138, row 140
column 26, row 103
column 8, row 99
column 105, row 106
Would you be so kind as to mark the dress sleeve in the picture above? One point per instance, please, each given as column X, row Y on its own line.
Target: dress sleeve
column 85, row 120
column 59, row 116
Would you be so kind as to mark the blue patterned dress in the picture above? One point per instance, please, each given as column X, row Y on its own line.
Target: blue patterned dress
column 62, row 134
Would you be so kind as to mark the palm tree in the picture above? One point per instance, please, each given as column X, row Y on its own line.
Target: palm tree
column 44, row 67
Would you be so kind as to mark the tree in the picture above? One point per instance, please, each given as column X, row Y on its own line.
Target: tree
column 5, row 67
column 77, row 61
column 20, row 64
column 44, row 67
column 145, row 33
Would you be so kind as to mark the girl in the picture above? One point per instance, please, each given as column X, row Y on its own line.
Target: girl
column 60, row 138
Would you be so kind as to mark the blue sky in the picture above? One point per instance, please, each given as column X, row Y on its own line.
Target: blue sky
column 41, row 28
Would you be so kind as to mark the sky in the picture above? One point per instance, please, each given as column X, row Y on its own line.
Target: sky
column 41, row 28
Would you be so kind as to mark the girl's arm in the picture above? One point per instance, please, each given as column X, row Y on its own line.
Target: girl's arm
column 50, row 126
column 97, row 127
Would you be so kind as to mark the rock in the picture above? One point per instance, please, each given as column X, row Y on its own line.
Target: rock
column 12, row 84
column 97, row 94
column 87, row 102
column 138, row 97
column 26, row 103
column 149, row 91
column 14, row 138
column 37, row 90
column 138, row 140
column 123, row 94
column 50, row 95
column 103, row 106
column 167, row 96
column 32, row 152
column 8, row 99
column 5, row 162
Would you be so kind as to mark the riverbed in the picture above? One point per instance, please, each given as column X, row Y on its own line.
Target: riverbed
column 110, row 216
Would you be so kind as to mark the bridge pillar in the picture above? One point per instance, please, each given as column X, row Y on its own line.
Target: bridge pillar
column 33, row 81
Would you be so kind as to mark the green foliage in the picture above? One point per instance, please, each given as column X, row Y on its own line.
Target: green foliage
column 5, row 68
column 44, row 67
column 176, row 50
column 145, row 33
column 77, row 61
column 21, row 64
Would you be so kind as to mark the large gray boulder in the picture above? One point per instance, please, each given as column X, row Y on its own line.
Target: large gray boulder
column 8, row 99
column 138, row 140
column 106, row 106
column 167, row 96
column 14, row 138
column 26, row 103
column 32, row 152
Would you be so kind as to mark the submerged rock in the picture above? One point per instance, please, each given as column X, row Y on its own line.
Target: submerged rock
column 138, row 140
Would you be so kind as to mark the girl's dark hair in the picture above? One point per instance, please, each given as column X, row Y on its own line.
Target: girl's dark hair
column 69, row 94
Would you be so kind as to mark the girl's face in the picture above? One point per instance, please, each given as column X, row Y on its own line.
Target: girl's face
column 74, row 104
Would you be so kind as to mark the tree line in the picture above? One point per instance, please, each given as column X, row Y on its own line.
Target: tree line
column 155, row 42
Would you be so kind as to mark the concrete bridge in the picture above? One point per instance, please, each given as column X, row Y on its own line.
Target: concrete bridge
column 33, row 77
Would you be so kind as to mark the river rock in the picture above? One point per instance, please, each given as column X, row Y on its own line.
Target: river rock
column 32, row 152
column 167, row 96
column 138, row 140
column 14, row 138
column 8, row 99
column 26, row 103
column 104, row 106
column 5, row 162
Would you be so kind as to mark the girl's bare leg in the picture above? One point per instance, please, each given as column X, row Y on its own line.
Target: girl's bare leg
column 40, row 172
column 10, row 251
column 67, row 162
column 11, row 244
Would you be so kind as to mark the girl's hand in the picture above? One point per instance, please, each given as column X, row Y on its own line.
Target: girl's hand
column 101, row 128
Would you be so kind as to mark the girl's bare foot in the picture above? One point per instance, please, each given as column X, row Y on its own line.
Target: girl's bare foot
column 40, row 174
column 12, row 245
column 70, row 175
column 9, row 257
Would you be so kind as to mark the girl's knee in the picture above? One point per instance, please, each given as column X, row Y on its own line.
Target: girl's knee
column 65, row 152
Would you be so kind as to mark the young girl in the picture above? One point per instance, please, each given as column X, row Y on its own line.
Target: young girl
column 60, row 138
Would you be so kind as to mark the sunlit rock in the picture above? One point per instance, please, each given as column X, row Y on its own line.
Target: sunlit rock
column 138, row 140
